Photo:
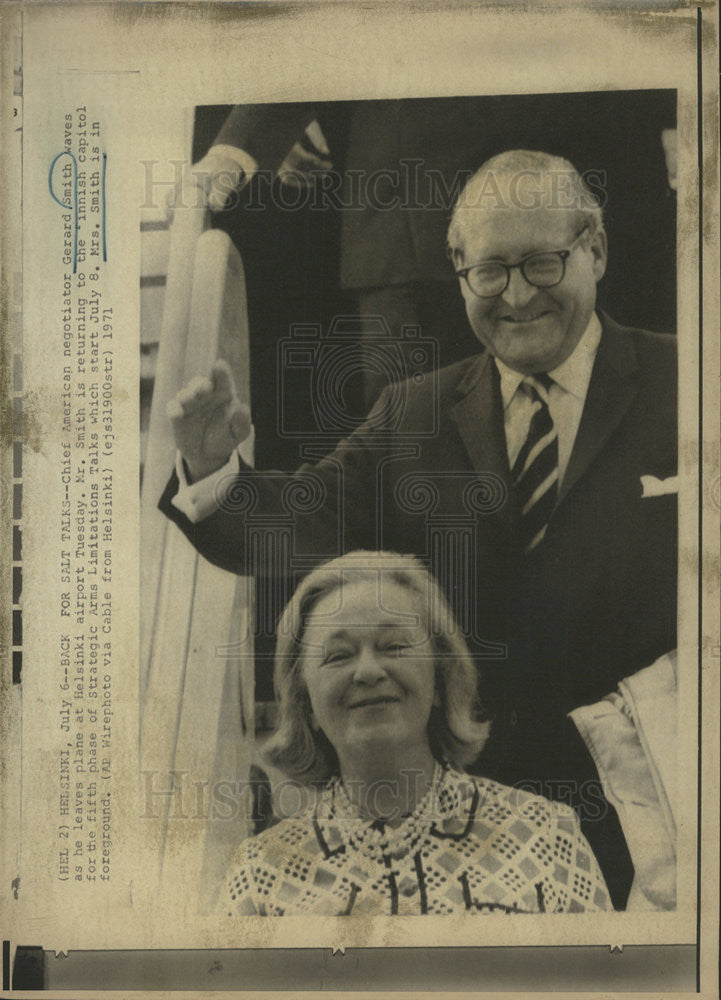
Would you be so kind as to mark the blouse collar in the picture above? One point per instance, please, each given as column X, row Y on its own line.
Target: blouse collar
column 447, row 809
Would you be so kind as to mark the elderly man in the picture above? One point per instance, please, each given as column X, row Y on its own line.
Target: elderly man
column 537, row 478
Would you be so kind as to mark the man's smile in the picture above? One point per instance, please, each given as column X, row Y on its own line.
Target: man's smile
column 520, row 320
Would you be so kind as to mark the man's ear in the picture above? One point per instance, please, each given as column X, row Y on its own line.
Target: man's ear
column 455, row 256
column 457, row 260
column 598, row 246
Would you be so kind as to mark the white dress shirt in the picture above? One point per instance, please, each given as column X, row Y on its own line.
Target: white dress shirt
column 566, row 398
column 201, row 499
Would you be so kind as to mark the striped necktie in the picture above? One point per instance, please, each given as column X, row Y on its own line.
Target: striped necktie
column 535, row 471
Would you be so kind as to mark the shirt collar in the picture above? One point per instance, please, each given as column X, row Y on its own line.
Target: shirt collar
column 449, row 807
column 573, row 374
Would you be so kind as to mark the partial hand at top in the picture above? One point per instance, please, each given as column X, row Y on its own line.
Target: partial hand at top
column 209, row 183
column 301, row 167
column 208, row 420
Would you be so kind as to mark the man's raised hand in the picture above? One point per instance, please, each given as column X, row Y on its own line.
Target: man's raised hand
column 208, row 420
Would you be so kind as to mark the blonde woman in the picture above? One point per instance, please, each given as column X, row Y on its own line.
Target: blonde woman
column 378, row 708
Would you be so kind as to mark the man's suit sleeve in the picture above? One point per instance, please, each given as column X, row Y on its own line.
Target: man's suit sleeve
column 272, row 522
column 266, row 131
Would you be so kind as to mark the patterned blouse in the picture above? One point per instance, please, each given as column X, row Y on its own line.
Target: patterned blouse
column 470, row 844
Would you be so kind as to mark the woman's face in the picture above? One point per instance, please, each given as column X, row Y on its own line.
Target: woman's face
column 368, row 664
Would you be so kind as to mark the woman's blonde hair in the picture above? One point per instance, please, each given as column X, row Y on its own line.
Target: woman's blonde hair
column 456, row 730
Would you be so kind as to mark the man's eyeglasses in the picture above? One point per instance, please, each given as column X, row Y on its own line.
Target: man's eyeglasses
column 543, row 270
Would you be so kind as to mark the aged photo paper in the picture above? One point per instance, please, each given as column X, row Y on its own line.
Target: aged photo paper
column 138, row 632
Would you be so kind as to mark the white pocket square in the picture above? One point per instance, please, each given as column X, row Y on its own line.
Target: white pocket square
column 653, row 487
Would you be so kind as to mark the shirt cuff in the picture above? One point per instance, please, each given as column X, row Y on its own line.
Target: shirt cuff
column 201, row 499
column 245, row 161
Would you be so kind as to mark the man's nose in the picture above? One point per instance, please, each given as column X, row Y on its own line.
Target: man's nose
column 519, row 292
column 368, row 667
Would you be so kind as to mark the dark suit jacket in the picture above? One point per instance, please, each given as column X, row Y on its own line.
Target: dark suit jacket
column 428, row 474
